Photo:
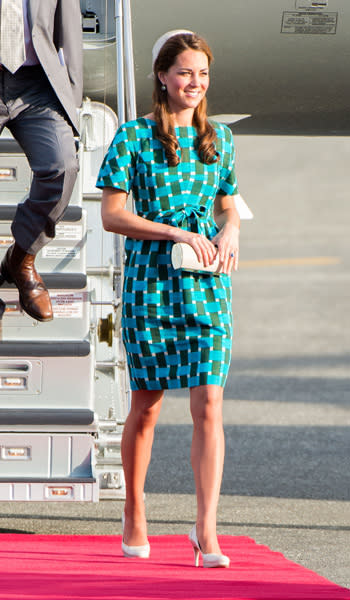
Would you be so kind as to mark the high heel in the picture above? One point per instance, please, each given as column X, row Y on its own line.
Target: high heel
column 209, row 560
column 134, row 551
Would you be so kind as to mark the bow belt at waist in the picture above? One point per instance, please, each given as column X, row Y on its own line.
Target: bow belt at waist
column 193, row 218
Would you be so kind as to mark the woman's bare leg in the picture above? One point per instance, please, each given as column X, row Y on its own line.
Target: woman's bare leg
column 207, row 457
column 136, row 451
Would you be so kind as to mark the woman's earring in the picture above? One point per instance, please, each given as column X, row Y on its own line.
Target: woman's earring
column 163, row 87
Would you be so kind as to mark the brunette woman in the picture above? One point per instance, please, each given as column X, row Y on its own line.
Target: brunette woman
column 177, row 325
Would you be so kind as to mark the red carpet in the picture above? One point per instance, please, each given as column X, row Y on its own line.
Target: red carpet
column 78, row 567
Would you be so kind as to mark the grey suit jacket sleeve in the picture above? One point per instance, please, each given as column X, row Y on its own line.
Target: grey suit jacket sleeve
column 68, row 39
column 58, row 42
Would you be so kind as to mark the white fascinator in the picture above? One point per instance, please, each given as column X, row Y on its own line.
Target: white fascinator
column 161, row 41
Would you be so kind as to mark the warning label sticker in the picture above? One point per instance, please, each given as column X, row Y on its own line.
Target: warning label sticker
column 66, row 231
column 321, row 23
column 68, row 305
column 60, row 252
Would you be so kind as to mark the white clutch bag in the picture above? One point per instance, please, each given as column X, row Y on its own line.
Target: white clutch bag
column 184, row 257
column 242, row 207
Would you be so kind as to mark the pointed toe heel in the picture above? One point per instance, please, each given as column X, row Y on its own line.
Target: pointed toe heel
column 134, row 551
column 210, row 560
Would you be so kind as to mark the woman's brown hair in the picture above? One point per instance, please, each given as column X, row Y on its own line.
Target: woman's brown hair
column 165, row 129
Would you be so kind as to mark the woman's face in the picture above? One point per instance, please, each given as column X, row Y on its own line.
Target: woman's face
column 187, row 80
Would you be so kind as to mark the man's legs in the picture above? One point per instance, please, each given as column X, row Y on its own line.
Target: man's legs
column 47, row 140
column 36, row 120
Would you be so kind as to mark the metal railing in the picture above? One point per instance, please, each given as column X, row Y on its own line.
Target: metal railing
column 126, row 95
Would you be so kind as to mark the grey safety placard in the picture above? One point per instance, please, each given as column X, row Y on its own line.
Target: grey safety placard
column 297, row 22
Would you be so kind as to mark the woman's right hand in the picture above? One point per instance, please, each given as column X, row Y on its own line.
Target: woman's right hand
column 204, row 248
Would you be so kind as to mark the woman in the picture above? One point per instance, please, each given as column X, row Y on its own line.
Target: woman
column 177, row 326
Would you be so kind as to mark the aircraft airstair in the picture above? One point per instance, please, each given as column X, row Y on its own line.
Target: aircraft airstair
column 64, row 392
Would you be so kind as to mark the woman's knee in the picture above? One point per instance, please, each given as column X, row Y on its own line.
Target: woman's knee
column 145, row 408
column 206, row 403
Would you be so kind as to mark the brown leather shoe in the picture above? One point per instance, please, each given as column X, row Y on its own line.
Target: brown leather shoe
column 18, row 267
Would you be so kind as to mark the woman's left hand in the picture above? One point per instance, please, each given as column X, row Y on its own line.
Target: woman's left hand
column 227, row 243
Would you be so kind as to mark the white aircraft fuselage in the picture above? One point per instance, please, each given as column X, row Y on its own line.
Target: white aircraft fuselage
column 284, row 62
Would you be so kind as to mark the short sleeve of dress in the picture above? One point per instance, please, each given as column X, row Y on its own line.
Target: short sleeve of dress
column 118, row 167
column 228, row 181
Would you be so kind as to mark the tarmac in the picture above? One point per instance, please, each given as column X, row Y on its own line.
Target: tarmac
column 286, row 480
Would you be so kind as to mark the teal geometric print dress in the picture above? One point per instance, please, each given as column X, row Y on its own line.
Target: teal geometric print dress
column 177, row 325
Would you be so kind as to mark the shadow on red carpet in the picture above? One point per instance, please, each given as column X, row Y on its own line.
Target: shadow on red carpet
column 78, row 567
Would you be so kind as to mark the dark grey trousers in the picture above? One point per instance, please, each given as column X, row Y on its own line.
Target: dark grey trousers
column 30, row 109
